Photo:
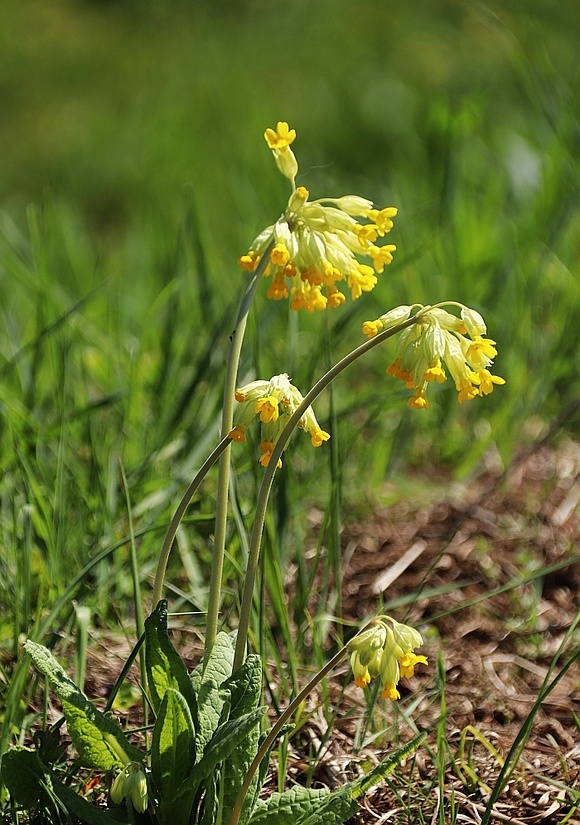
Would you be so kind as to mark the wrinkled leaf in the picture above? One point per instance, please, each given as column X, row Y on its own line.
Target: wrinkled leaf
column 246, row 692
column 290, row 807
column 335, row 809
column 98, row 739
column 224, row 741
column 165, row 668
column 384, row 768
column 207, row 684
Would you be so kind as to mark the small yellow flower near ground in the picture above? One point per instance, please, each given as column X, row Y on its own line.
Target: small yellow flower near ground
column 385, row 649
column 273, row 402
column 318, row 244
column 435, row 338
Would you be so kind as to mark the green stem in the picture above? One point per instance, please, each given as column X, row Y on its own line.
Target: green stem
column 221, row 514
column 264, row 493
column 271, row 737
column 179, row 513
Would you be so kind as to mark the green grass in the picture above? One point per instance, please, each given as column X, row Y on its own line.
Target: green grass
column 134, row 173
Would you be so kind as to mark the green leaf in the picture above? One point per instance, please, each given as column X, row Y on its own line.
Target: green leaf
column 384, row 768
column 98, row 739
column 207, row 684
column 224, row 741
column 246, row 692
column 292, row 806
column 209, row 814
column 173, row 747
column 336, row 808
column 165, row 668
column 25, row 776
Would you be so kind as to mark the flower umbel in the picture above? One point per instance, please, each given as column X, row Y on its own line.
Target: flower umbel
column 436, row 338
column 131, row 784
column 273, row 402
column 386, row 649
column 317, row 244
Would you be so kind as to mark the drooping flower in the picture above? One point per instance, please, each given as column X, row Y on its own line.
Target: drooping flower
column 386, row 649
column 439, row 338
column 131, row 784
column 273, row 402
column 316, row 245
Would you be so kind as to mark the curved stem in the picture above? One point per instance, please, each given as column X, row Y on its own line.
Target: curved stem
column 179, row 513
column 264, row 493
column 271, row 737
column 221, row 514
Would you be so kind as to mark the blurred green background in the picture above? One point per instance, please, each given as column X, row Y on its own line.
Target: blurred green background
column 133, row 174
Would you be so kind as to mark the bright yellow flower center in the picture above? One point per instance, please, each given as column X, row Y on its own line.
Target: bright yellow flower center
column 282, row 137
column 318, row 437
column 279, row 255
column 267, row 409
column 418, row 401
column 390, row 692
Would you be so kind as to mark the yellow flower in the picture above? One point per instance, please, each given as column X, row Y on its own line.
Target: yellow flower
column 438, row 337
column 418, row 401
column 273, row 402
column 408, row 662
column 267, row 409
column 267, row 448
column 385, row 648
column 317, row 244
column 281, row 138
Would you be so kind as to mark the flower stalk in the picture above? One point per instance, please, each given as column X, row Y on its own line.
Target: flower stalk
column 266, row 486
column 221, row 516
column 178, row 515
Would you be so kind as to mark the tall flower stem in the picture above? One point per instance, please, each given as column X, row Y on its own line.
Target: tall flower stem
column 264, row 492
column 224, row 465
column 178, row 515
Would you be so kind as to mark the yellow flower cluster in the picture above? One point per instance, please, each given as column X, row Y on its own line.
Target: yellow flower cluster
column 438, row 336
column 316, row 244
column 386, row 649
column 273, row 402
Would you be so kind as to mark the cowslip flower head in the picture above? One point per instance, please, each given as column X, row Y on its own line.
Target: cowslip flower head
column 315, row 246
column 439, row 339
column 273, row 402
column 385, row 649
column 131, row 784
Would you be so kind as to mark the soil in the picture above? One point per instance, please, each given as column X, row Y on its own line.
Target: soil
column 460, row 556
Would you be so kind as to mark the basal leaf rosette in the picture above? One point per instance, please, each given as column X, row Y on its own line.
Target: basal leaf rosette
column 436, row 340
column 272, row 402
column 315, row 245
